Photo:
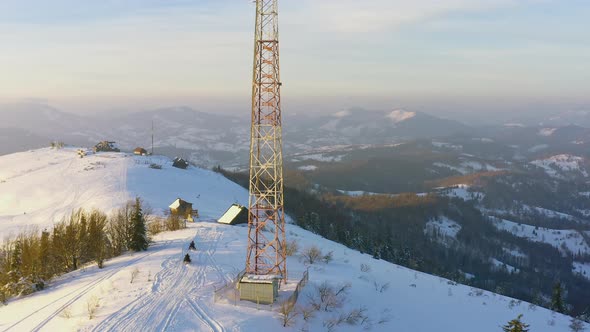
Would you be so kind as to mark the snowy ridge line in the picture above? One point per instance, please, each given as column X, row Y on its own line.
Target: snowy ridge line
column 82, row 291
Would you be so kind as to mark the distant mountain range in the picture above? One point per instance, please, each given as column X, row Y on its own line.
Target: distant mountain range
column 213, row 138
column 210, row 139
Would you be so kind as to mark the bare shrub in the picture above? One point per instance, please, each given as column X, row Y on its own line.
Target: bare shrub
column 174, row 223
column 576, row 325
column 354, row 317
column 66, row 313
column 380, row 287
column 134, row 274
column 357, row 316
column 312, row 254
column 308, row 312
column 288, row 314
column 292, row 247
column 154, row 227
column 328, row 257
column 92, row 305
column 328, row 297
column 365, row 268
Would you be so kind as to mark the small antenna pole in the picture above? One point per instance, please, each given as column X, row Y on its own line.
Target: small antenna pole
column 152, row 137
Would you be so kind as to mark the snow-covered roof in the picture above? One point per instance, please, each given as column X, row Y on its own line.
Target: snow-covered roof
column 178, row 203
column 175, row 205
column 231, row 214
column 255, row 278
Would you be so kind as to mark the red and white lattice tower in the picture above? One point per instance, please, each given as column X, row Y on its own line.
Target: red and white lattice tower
column 266, row 254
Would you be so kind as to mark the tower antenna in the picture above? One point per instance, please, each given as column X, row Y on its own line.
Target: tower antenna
column 152, row 137
column 266, row 255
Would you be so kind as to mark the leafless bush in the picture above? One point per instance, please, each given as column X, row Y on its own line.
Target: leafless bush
column 312, row 254
column 174, row 223
column 66, row 313
column 354, row 317
column 308, row 312
column 154, row 227
column 329, row 298
column 92, row 305
column 380, row 287
column 365, row 268
column 328, row 257
column 288, row 314
column 576, row 325
column 134, row 274
column 292, row 247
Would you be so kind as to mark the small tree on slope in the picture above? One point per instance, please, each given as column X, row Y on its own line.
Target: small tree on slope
column 556, row 300
column 139, row 240
column 516, row 325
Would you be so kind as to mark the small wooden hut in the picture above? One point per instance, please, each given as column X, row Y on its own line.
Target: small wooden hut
column 236, row 214
column 183, row 209
column 140, row 152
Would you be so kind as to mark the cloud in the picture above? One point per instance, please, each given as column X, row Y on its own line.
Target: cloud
column 352, row 16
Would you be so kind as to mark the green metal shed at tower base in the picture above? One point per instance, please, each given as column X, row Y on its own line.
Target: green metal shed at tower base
column 259, row 289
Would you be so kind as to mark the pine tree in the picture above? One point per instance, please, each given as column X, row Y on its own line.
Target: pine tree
column 83, row 238
column 516, row 325
column 139, row 240
column 556, row 299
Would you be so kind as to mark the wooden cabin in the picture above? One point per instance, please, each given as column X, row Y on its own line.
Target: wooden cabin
column 140, row 152
column 236, row 214
column 183, row 209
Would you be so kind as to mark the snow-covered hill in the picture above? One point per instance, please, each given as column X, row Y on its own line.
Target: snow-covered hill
column 164, row 294
column 562, row 165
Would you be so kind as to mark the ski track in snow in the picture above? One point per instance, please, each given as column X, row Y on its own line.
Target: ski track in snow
column 76, row 295
column 172, row 285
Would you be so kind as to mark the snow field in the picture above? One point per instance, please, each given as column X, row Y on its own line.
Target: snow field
column 570, row 239
column 168, row 295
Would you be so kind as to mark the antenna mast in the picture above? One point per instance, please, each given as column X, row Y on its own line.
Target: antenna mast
column 266, row 255
column 152, row 137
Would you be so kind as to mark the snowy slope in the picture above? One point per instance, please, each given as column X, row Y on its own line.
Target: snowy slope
column 564, row 163
column 167, row 295
column 565, row 240
column 38, row 188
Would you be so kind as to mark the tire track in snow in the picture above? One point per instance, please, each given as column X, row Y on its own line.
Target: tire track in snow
column 158, row 309
column 77, row 294
column 213, row 324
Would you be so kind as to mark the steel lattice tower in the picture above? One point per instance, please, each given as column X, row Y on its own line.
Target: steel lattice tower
column 266, row 254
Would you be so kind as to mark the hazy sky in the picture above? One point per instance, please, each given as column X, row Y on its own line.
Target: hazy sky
column 380, row 53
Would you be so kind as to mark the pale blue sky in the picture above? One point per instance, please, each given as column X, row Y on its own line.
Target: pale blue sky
column 383, row 53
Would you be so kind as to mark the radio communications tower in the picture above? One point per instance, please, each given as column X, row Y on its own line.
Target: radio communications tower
column 266, row 254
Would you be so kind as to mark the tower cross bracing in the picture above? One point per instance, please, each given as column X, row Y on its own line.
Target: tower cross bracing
column 266, row 253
